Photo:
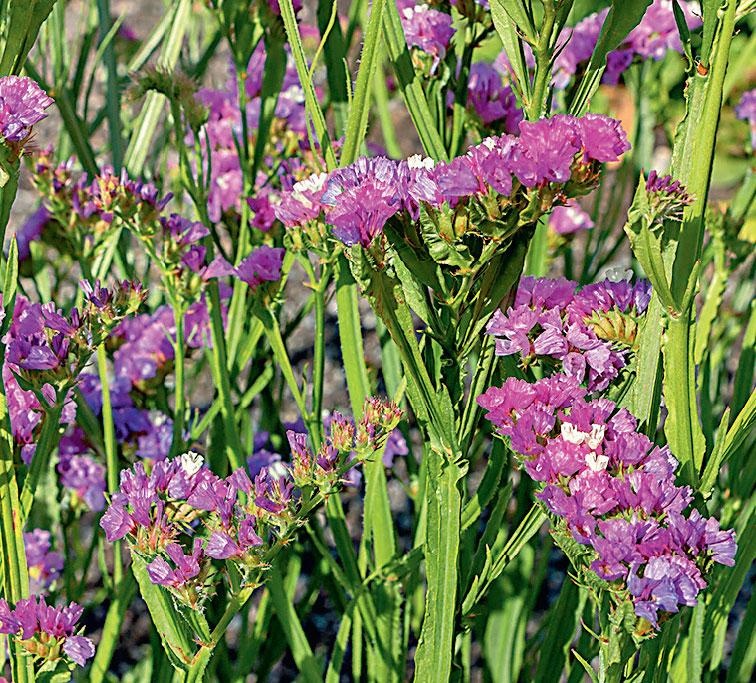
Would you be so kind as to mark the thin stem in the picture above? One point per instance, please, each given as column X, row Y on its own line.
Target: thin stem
column 111, row 449
column 179, row 412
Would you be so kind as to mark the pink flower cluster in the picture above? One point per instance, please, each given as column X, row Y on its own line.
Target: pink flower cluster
column 613, row 492
column 46, row 632
column 586, row 334
column 224, row 129
column 22, row 104
column 358, row 200
column 181, row 516
column 429, row 30
column 656, row 35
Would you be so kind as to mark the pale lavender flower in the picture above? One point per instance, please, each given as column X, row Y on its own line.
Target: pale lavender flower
column 429, row 30
column 746, row 110
column 569, row 219
column 44, row 564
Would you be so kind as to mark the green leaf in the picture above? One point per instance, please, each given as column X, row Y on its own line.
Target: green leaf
column 311, row 101
column 507, row 28
column 369, row 62
column 727, row 587
column 175, row 634
column 433, row 658
column 564, row 618
column 350, row 338
column 287, row 617
column 149, row 115
column 744, row 652
column 623, row 17
column 410, row 84
column 25, row 18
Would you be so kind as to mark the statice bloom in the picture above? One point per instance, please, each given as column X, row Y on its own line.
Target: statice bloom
column 569, row 219
column 612, row 491
column 585, row 334
column 84, row 478
column 429, row 30
column 22, row 104
column 357, row 201
column 46, row 631
column 31, row 231
column 44, row 564
column 746, row 110
column 262, row 265
column 492, row 101
column 653, row 38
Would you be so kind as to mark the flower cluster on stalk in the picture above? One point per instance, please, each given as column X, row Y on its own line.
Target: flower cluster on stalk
column 551, row 160
column 585, row 333
column 746, row 110
column 655, row 36
column 43, row 563
column 180, row 517
column 48, row 634
column 621, row 518
column 48, row 351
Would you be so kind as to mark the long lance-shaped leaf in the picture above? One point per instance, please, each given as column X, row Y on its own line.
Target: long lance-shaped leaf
column 25, row 19
column 144, row 129
column 369, row 60
column 412, row 89
column 292, row 628
column 691, row 165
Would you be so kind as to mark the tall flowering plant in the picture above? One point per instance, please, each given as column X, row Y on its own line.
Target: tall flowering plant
column 238, row 226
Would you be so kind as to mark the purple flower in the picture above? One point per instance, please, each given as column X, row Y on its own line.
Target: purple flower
column 262, row 265
column 187, row 567
column 569, row 219
column 612, row 490
column 428, row 30
column 43, row 563
column 746, row 110
column 85, row 478
column 22, row 104
column 35, row 624
column 491, row 100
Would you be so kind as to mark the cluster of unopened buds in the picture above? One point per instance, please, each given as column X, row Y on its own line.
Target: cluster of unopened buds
column 48, row 634
column 585, row 333
column 179, row 517
column 549, row 161
column 621, row 518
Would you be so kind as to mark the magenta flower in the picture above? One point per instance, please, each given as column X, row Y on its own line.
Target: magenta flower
column 429, row 30
column 22, row 104
column 612, row 490
column 491, row 100
column 569, row 219
column 262, row 265
column 35, row 623
column 187, row 567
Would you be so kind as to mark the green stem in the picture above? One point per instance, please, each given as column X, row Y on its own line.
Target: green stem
column 222, row 381
column 15, row 574
column 111, row 450
column 179, row 412
column 48, row 440
column 350, row 338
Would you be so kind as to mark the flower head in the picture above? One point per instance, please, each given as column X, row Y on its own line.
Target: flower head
column 22, row 104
